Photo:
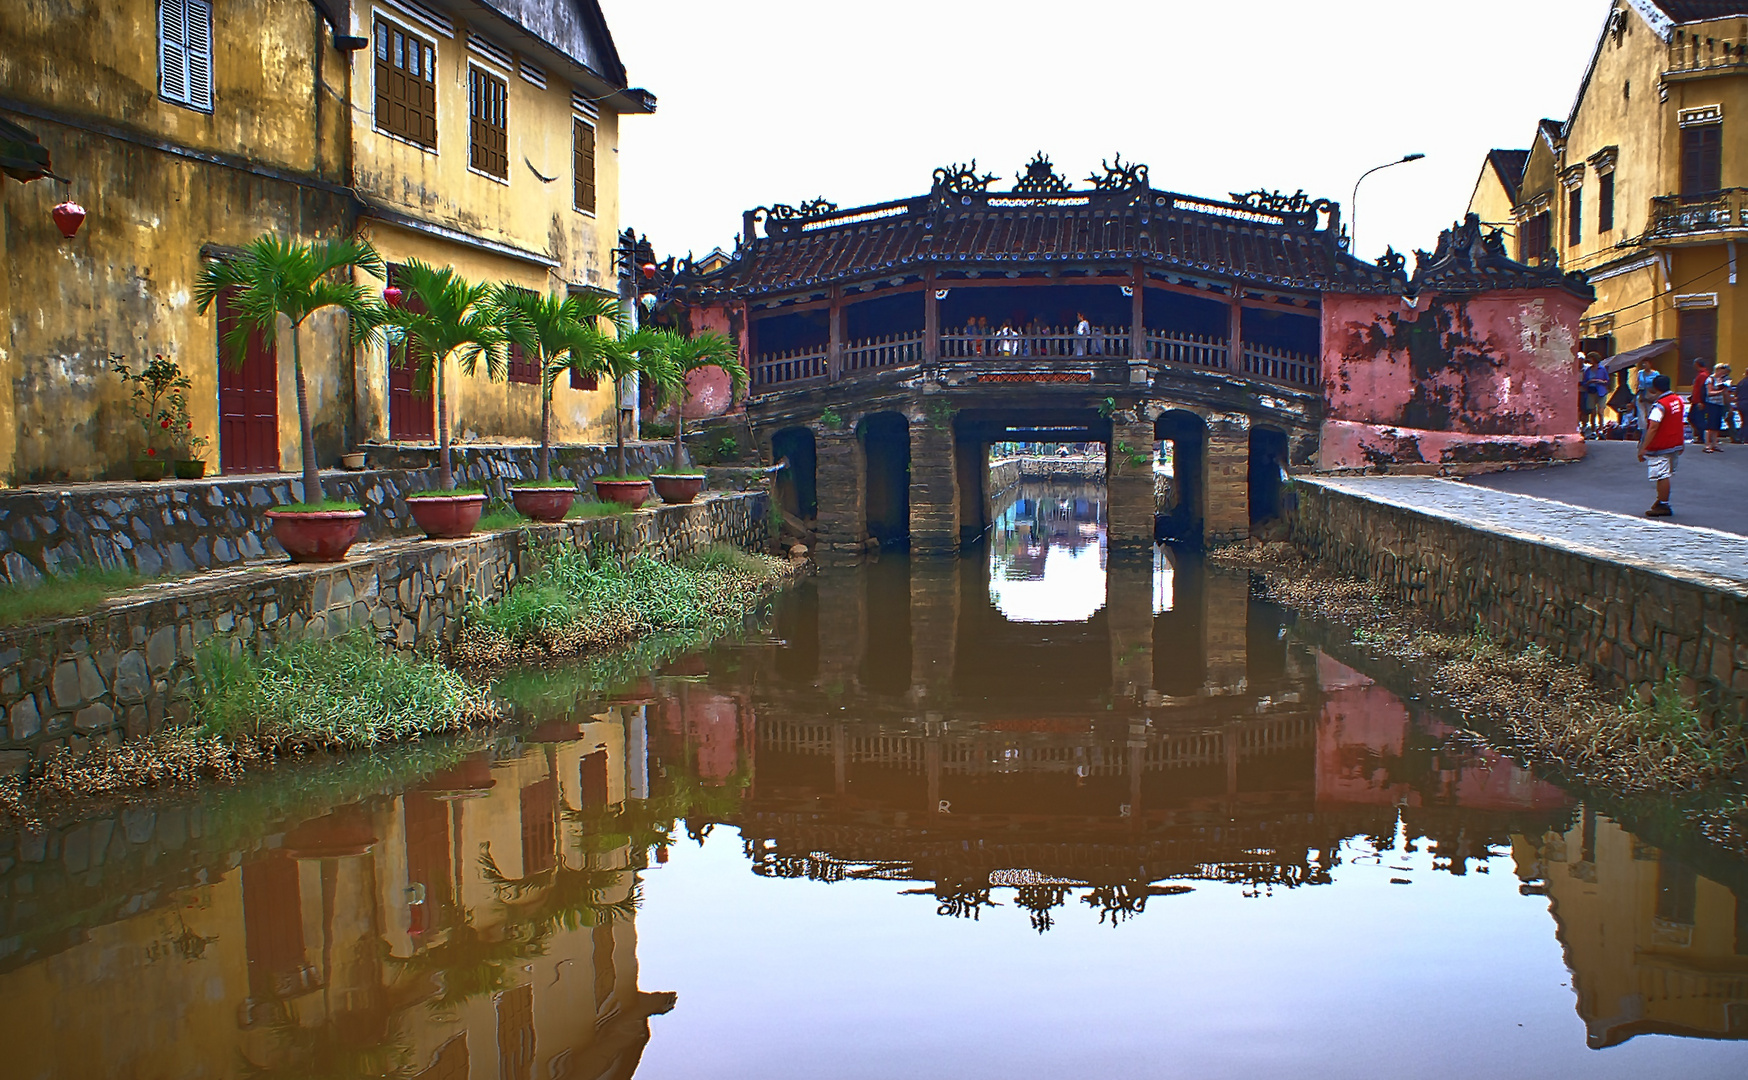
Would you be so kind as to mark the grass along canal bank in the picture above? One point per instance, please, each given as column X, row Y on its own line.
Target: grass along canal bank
column 251, row 708
column 1656, row 745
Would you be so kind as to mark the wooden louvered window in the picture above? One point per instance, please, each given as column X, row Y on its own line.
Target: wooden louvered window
column 488, row 129
column 1575, row 217
column 1702, row 160
column 185, row 52
column 1536, row 238
column 406, row 85
column 583, row 165
column 1605, row 203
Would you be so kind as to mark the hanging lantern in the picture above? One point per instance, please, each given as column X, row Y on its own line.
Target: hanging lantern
column 392, row 296
column 649, row 270
column 68, row 217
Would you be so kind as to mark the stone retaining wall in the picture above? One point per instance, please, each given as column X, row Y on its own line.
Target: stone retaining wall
column 1628, row 622
column 178, row 526
column 123, row 669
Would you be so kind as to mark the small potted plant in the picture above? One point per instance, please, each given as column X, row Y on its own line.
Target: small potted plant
column 190, row 447
column 637, row 352
column 446, row 315
column 551, row 329
column 273, row 276
column 152, row 391
column 679, row 481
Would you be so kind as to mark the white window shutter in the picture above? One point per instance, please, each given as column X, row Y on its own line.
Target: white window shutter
column 199, row 53
column 172, row 50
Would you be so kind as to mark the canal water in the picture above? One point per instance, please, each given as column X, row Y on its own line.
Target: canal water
column 1043, row 812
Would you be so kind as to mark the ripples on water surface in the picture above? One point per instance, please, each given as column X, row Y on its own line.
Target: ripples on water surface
column 1041, row 813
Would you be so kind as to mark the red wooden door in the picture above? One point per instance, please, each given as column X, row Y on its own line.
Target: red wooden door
column 248, row 401
column 411, row 413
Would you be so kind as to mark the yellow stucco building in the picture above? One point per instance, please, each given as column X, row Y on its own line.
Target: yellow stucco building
column 480, row 134
column 1644, row 186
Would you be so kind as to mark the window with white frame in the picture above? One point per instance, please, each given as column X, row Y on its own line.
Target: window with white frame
column 185, row 52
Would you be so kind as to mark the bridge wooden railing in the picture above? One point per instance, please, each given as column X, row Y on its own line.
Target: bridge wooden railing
column 1195, row 351
column 1020, row 344
column 883, row 351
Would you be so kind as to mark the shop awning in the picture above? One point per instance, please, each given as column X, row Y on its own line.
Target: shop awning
column 1622, row 361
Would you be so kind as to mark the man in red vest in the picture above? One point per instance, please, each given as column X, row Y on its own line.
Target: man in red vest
column 1661, row 445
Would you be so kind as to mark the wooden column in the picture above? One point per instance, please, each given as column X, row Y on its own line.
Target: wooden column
column 1235, row 334
column 1138, row 358
column 931, row 319
column 835, row 357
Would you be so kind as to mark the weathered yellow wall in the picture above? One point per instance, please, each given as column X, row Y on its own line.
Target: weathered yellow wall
column 524, row 212
column 124, row 284
column 1492, row 202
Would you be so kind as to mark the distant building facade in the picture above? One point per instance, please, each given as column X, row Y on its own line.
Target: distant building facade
column 1644, row 186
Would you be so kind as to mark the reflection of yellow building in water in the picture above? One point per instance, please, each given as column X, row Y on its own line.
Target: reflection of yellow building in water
column 1654, row 946
column 476, row 925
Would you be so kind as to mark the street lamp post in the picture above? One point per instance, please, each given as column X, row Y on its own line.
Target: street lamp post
column 1353, row 204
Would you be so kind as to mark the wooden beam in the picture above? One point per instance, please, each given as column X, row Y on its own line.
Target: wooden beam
column 835, row 352
column 1137, row 318
column 1235, row 336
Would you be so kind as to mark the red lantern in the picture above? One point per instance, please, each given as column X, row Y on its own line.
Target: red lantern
column 68, row 217
column 391, row 296
column 649, row 270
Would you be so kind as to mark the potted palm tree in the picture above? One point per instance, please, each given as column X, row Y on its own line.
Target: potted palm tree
column 275, row 276
column 679, row 481
column 446, row 315
column 550, row 328
column 637, row 352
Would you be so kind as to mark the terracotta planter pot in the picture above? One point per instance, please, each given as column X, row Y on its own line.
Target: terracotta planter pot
column 316, row 536
column 543, row 503
column 633, row 493
column 148, row 468
column 447, row 517
column 191, row 469
column 352, row 462
column 677, row 488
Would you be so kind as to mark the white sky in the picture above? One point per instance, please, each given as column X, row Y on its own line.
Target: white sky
column 765, row 101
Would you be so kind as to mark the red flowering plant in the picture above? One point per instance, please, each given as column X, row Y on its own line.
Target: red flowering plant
column 151, row 395
column 180, row 425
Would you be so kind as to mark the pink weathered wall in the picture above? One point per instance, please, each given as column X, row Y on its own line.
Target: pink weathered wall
column 1450, row 381
column 711, row 393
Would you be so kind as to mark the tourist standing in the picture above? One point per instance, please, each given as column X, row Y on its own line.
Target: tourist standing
column 1699, row 400
column 1593, row 384
column 1082, row 332
column 1644, row 375
column 1007, row 341
column 1664, row 439
column 1722, row 396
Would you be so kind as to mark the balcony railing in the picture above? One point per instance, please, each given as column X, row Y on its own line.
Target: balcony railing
column 1714, row 211
column 1165, row 348
column 1721, row 43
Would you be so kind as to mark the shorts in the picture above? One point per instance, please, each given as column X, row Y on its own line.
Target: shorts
column 1660, row 464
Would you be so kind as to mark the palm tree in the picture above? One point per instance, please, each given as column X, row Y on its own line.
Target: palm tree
column 548, row 327
column 446, row 315
column 627, row 353
column 686, row 355
column 275, row 276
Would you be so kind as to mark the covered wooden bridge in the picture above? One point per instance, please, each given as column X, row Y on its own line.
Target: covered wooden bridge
column 890, row 345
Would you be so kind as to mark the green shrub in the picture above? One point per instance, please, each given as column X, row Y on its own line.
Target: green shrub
column 326, row 505
column 597, row 509
column 342, row 693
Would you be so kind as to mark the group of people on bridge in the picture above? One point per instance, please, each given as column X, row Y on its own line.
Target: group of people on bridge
column 1033, row 339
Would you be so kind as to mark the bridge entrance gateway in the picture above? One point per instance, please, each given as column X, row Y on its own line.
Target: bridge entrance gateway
column 891, row 346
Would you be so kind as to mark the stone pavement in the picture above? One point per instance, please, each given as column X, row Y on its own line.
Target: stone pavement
column 1710, row 490
column 1709, row 555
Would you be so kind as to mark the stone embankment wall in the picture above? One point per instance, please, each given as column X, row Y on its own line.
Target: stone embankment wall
column 122, row 670
column 1627, row 621
column 178, row 526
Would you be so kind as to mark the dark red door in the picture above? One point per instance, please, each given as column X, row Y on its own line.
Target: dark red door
column 248, row 401
column 411, row 412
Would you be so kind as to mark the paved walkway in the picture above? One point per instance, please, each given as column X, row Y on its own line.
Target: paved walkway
column 1679, row 550
column 1710, row 490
